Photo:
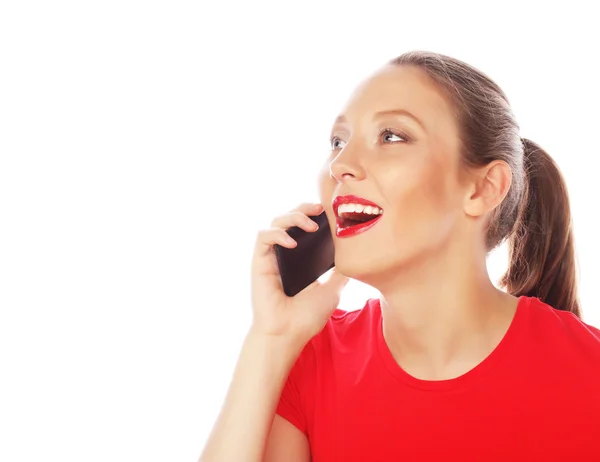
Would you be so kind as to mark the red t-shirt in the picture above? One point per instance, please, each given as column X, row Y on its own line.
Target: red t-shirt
column 536, row 397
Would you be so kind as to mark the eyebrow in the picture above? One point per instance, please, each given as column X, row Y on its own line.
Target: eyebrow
column 397, row 112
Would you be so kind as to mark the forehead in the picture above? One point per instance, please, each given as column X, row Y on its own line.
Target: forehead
column 402, row 87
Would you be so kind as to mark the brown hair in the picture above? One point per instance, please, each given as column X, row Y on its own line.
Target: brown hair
column 535, row 216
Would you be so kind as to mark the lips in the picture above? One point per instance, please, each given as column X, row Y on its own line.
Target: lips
column 355, row 215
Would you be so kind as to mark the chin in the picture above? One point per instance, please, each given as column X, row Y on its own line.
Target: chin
column 376, row 268
column 366, row 270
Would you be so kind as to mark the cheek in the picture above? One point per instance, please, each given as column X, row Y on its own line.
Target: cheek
column 326, row 185
column 424, row 193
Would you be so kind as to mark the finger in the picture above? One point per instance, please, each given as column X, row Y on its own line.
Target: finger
column 308, row 208
column 268, row 238
column 298, row 219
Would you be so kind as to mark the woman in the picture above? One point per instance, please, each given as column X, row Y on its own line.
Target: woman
column 443, row 366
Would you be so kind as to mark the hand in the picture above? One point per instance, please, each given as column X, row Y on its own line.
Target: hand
column 296, row 319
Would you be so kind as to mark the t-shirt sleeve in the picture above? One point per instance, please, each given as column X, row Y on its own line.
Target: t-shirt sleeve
column 293, row 400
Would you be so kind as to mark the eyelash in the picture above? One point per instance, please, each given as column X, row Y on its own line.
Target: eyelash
column 382, row 132
column 394, row 132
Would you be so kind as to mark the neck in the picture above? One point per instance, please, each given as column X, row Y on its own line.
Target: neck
column 441, row 318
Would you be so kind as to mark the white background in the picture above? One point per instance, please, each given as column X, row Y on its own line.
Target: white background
column 142, row 146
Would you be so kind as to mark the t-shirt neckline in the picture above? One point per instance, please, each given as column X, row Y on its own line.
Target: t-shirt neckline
column 468, row 377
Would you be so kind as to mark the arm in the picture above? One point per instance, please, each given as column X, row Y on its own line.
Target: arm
column 281, row 327
column 247, row 417
column 286, row 443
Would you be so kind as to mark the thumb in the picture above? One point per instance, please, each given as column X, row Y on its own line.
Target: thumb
column 331, row 288
column 336, row 281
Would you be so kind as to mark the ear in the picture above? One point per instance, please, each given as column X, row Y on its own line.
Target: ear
column 489, row 187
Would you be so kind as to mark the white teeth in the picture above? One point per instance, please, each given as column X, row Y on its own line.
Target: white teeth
column 358, row 208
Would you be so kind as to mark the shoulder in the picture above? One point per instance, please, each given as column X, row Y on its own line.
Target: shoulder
column 564, row 320
column 344, row 329
column 563, row 330
column 348, row 326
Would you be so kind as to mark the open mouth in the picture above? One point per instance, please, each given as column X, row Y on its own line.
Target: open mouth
column 354, row 215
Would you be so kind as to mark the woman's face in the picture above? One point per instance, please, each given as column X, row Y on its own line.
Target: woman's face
column 396, row 145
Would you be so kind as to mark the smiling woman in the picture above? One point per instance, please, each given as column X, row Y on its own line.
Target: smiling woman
column 427, row 174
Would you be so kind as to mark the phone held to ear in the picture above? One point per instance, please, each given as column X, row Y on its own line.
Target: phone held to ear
column 309, row 260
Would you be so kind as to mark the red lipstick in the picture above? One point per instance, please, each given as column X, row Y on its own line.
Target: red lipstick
column 351, row 223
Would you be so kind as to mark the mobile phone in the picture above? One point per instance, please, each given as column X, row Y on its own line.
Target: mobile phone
column 309, row 260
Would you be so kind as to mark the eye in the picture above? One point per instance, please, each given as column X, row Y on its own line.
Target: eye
column 337, row 143
column 391, row 136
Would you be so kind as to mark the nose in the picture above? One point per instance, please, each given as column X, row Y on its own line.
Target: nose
column 345, row 166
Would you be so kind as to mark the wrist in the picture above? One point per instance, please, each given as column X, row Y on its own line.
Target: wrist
column 279, row 347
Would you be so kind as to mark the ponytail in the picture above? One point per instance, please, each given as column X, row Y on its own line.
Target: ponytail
column 542, row 251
